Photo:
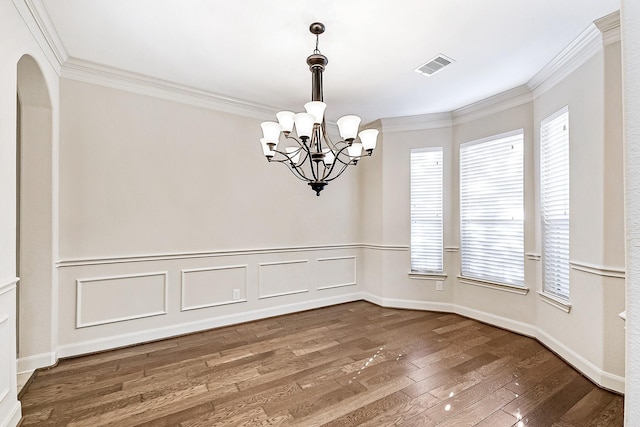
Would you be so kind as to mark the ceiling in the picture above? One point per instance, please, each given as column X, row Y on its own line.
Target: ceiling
column 255, row 50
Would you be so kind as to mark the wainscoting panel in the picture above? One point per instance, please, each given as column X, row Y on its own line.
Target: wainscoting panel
column 210, row 287
column 112, row 299
column 5, row 355
column 336, row 272
column 9, row 404
column 283, row 278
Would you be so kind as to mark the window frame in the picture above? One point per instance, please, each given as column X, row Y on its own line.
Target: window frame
column 560, row 292
column 471, row 264
column 439, row 249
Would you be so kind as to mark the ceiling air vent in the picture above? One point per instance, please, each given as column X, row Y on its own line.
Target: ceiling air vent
column 434, row 65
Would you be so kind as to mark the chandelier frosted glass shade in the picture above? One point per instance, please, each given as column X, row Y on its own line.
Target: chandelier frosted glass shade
column 317, row 109
column 300, row 140
column 348, row 127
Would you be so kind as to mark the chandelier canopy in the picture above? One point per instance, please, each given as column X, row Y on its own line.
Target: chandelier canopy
column 310, row 154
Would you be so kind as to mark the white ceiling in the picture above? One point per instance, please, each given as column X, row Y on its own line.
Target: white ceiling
column 255, row 50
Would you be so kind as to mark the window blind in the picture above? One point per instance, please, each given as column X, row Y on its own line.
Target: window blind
column 426, row 210
column 554, row 195
column 492, row 209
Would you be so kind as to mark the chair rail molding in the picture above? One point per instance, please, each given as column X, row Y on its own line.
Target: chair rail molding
column 599, row 270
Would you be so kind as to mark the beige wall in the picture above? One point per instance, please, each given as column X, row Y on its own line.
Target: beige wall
column 142, row 175
column 591, row 335
column 175, row 205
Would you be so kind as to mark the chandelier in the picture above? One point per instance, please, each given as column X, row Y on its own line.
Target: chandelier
column 310, row 154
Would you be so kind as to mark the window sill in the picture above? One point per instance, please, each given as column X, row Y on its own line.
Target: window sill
column 427, row 276
column 493, row 285
column 555, row 302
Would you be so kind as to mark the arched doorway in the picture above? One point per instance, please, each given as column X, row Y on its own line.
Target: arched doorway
column 34, row 219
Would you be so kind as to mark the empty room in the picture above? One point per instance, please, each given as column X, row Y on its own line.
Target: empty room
column 319, row 213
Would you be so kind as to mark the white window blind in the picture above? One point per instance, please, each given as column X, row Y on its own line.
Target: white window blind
column 554, row 195
column 426, row 210
column 492, row 209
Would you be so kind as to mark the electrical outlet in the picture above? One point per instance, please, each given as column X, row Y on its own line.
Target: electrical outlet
column 236, row 294
column 439, row 285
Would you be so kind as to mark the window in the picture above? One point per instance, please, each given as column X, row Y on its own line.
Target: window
column 554, row 203
column 492, row 209
column 426, row 210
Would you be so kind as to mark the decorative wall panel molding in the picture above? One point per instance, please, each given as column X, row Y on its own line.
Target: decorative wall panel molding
column 282, row 278
column 213, row 286
column 110, row 299
column 336, row 272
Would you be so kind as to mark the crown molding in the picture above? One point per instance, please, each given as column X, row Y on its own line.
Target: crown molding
column 581, row 49
column 609, row 26
column 413, row 123
column 494, row 104
column 603, row 31
column 90, row 72
column 35, row 16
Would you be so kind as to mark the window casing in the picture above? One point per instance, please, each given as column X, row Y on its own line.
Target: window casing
column 426, row 210
column 554, row 203
column 492, row 209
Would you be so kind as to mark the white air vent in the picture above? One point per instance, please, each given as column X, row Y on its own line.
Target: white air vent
column 434, row 65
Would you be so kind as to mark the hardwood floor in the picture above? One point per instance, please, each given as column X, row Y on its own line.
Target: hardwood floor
column 345, row 365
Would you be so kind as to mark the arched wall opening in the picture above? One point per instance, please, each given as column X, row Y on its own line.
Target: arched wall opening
column 34, row 224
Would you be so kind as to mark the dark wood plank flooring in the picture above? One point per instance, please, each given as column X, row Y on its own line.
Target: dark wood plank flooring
column 345, row 365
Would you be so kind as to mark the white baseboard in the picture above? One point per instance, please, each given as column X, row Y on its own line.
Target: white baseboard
column 591, row 371
column 123, row 340
column 31, row 363
column 13, row 416
column 499, row 321
column 407, row 304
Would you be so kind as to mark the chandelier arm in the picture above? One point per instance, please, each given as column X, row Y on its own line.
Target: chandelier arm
column 341, row 153
column 297, row 171
column 342, row 169
column 286, row 156
column 307, row 149
column 294, row 139
column 294, row 170
column 333, row 165
column 302, row 146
